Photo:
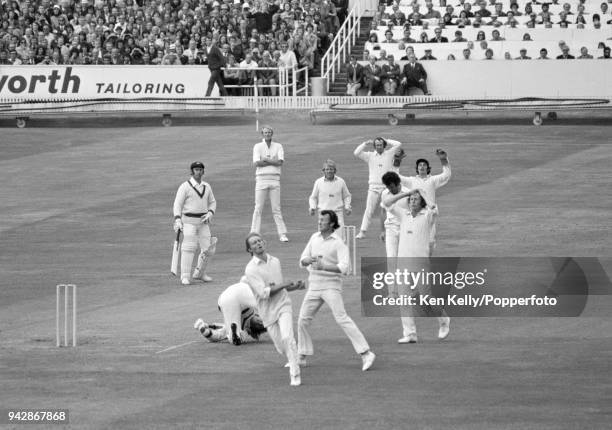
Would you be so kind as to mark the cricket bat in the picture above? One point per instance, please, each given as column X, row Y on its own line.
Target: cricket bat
column 174, row 266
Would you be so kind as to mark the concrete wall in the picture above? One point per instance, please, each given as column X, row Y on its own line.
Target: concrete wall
column 533, row 78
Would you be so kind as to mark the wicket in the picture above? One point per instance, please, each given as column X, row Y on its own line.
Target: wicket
column 65, row 289
column 348, row 236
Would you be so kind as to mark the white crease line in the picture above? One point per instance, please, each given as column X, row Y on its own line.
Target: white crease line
column 177, row 346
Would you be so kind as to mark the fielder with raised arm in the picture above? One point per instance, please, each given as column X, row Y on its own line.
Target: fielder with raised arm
column 427, row 182
column 241, row 322
column 390, row 224
column 416, row 239
column 380, row 161
column 194, row 207
column 330, row 193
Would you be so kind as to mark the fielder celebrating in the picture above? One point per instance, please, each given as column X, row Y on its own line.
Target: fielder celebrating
column 327, row 259
column 268, row 157
column 427, row 182
column 194, row 207
column 240, row 318
column 264, row 275
column 330, row 193
column 380, row 161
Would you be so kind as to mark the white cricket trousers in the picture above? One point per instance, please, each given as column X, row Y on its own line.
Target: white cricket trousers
column 410, row 312
column 264, row 188
column 193, row 234
column 232, row 314
column 409, row 325
column 313, row 300
column 392, row 232
column 281, row 333
column 372, row 203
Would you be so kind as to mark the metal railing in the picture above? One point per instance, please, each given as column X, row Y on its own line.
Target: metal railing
column 248, row 80
column 303, row 90
column 300, row 103
column 411, row 103
column 342, row 44
column 288, row 82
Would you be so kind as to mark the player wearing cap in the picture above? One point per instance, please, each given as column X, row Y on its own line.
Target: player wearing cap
column 380, row 161
column 330, row 192
column 194, row 207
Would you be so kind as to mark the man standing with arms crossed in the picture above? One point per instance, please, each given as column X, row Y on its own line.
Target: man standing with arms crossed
column 428, row 183
column 194, row 207
column 380, row 161
column 327, row 259
column 268, row 157
column 330, row 192
column 263, row 274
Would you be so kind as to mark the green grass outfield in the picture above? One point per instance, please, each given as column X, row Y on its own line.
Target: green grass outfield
column 89, row 202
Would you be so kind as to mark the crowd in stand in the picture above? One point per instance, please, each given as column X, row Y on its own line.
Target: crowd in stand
column 169, row 32
column 255, row 34
column 402, row 30
column 471, row 30
column 493, row 13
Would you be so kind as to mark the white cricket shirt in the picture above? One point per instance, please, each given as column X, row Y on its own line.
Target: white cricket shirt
column 260, row 276
column 333, row 195
column 261, row 151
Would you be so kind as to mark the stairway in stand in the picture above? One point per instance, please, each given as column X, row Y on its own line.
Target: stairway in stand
column 338, row 88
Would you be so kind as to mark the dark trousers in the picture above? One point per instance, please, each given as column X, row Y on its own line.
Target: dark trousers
column 373, row 85
column 215, row 77
column 232, row 81
column 413, row 83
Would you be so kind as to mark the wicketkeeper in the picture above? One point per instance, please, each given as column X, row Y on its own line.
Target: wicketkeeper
column 240, row 318
column 194, row 208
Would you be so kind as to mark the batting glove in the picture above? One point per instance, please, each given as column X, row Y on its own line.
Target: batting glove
column 178, row 225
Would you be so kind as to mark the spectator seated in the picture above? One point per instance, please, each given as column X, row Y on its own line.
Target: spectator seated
column 172, row 32
column 506, row 28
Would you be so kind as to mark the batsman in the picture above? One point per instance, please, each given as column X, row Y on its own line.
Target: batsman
column 194, row 208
